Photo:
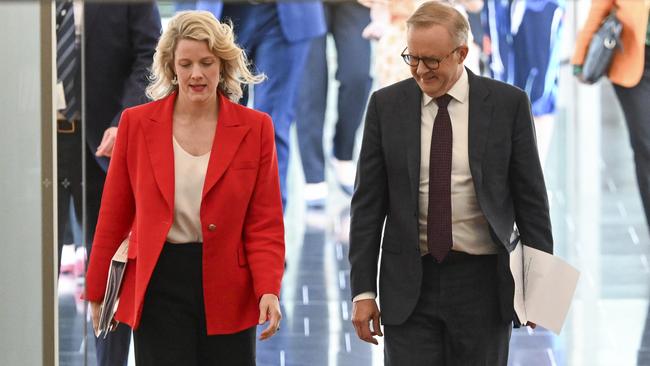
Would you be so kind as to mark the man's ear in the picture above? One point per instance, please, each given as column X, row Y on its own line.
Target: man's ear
column 462, row 53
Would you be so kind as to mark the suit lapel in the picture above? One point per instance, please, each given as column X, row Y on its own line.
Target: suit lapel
column 412, row 107
column 480, row 113
column 229, row 135
column 158, row 136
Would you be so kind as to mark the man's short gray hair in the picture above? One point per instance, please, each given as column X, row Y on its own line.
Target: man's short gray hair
column 439, row 13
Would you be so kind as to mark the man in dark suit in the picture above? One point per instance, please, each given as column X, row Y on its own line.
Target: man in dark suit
column 448, row 165
column 120, row 39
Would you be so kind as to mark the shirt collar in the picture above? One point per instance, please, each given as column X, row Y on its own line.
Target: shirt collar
column 459, row 91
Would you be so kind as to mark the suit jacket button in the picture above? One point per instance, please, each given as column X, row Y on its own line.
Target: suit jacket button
column 212, row 227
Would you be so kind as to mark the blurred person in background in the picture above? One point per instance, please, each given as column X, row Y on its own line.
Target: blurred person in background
column 524, row 45
column 277, row 36
column 346, row 21
column 630, row 74
column 193, row 183
column 120, row 39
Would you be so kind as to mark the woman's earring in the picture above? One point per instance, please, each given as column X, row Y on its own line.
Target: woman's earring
column 175, row 80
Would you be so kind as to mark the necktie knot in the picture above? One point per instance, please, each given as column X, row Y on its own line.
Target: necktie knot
column 443, row 101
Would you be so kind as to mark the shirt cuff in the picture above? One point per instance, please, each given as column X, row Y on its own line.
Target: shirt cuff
column 364, row 296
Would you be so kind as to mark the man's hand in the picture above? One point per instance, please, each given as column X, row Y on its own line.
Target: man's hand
column 363, row 312
column 94, row 314
column 270, row 310
column 105, row 148
column 379, row 21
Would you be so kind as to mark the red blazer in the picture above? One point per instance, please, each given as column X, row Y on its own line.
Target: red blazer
column 241, row 213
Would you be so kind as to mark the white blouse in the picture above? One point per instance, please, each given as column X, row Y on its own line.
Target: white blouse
column 189, row 176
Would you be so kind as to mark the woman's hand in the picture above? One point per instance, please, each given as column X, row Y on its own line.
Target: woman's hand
column 94, row 313
column 270, row 310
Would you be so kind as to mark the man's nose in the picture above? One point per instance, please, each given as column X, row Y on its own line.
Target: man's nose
column 422, row 68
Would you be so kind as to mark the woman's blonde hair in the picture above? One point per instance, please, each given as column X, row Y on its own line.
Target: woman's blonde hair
column 200, row 26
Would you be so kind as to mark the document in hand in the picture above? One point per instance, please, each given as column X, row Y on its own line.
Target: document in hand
column 544, row 287
column 113, row 284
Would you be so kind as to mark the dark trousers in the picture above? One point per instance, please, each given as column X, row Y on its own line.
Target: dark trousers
column 259, row 32
column 345, row 21
column 636, row 107
column 114, row 349
column 457, row 321
column 71, row 184
column 172, row 329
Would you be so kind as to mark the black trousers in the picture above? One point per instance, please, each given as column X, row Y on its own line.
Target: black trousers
column 71, row 183
column 114, row 349
column 636, row 107
column 172, row 329
column 457, row 320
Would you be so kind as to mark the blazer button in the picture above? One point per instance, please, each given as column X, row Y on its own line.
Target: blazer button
column 212, row 227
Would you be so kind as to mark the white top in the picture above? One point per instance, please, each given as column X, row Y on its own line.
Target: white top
column 470, row 229
column 189, row 176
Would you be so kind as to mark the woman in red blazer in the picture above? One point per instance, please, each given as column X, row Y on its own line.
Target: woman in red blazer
column 194, row 181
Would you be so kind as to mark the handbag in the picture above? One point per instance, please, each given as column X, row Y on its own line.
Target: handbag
column 107, row 323
column 602, row 47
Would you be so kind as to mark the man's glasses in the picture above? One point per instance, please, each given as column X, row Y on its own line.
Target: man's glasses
column 430, row 62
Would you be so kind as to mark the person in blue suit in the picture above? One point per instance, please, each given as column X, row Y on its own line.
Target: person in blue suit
column 346, row 22
column 276, row 37
column 120, row 40
column 526, row 47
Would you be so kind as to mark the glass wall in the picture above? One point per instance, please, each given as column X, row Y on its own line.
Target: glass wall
column 27, row 281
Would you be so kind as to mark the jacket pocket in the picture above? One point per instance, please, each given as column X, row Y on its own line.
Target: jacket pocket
column 241, row 257
column 246, row 164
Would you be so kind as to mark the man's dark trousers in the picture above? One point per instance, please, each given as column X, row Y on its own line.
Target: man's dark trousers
column 457, row 320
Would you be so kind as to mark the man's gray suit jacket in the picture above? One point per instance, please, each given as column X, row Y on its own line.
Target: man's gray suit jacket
column 507, row 176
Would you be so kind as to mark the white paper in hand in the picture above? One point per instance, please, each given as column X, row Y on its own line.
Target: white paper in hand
column 544, row 287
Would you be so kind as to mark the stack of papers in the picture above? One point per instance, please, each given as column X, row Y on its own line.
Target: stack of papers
column 112, row 295
column 544, row 287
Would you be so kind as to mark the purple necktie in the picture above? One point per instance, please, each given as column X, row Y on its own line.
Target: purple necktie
column 439, row 239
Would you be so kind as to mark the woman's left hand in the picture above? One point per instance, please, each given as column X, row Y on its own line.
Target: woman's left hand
column 270, row 310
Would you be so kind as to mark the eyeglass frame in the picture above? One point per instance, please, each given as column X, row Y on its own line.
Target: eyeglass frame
column 426, row 59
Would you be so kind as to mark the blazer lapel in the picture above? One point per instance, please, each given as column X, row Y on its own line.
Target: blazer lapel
column 158, row 136
column 229, row 135
column 412, row 107
column 480, row 115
